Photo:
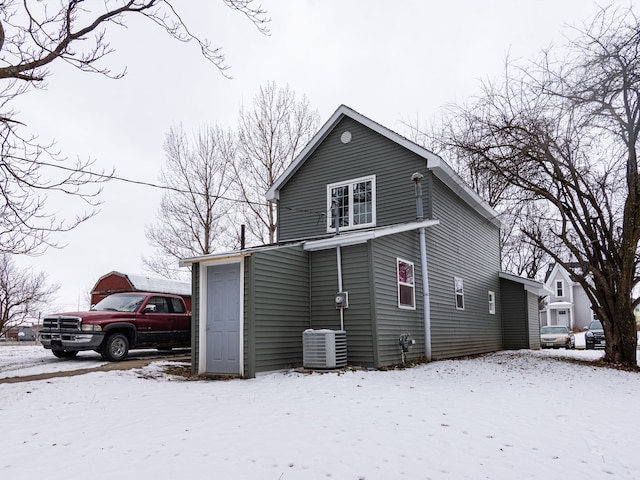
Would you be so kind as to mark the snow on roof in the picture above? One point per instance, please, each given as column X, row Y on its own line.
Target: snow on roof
column 162, row 285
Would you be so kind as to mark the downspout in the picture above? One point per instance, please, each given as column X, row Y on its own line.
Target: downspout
column 338, row 260
column 417, row 177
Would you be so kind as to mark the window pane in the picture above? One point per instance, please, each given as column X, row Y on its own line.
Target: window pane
column 178, row 306
column 340, row 195
column 362, row 205
column 459, row 292
column 406, row 288
column 406, row 296
column 405, row 273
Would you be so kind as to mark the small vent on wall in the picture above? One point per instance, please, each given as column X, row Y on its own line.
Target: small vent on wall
column 324, row 348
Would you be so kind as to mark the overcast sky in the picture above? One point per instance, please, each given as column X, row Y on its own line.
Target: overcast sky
column 392, row 61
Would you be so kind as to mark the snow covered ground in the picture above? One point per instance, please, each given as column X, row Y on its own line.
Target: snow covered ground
column 521, row 414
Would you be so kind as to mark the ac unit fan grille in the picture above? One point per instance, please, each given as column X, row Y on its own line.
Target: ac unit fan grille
column 324, row 348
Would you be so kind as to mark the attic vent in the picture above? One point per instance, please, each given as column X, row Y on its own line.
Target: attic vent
column 324, row 348
column 345, row 137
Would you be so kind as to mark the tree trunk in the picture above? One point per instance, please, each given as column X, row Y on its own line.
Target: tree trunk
column 620, row 333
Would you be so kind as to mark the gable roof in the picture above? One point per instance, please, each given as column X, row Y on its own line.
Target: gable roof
column 556, row 271
column 434, row 163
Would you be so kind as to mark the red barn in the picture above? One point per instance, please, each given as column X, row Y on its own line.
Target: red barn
column 117, row 282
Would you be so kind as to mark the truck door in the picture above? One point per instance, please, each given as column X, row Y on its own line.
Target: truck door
column 181, row 323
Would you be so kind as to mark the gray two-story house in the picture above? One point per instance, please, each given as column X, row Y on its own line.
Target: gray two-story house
column 564, row 300
column 377, row 237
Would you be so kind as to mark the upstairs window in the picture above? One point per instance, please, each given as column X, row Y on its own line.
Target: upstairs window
column 352, row 203
column 559, row 288
column 492, row 303
column 406, row 285
column 459, row 291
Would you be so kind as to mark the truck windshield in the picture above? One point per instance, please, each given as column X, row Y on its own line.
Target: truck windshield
column 120, row 303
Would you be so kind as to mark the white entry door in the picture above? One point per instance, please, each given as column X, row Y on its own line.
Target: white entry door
column 563, row 318
column 223, row 319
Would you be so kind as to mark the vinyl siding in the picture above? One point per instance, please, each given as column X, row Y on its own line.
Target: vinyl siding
column 515, row 315
column 533, row 321
column 368, row 153
column 356, row 276
column 464, row 245
column 393, row 321
column 195, row 316
column 276, row 309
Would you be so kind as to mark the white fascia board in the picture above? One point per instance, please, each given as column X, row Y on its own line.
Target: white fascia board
column 233, row 254
column 216, row 256
column 345, row 239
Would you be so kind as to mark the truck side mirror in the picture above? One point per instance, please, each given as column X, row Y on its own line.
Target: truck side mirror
column 151, row 308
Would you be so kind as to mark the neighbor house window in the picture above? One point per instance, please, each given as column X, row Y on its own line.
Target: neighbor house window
column 492, row 303
column 459, row 290
column 406, row 285
column 559, row 288
column 352, row 203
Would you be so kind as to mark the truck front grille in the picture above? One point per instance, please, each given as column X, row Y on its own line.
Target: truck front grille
column 62, row 323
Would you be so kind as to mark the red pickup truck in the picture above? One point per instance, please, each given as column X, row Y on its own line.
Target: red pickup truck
column 119, row 322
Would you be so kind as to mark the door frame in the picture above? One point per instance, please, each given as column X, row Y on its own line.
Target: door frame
column 202, row 327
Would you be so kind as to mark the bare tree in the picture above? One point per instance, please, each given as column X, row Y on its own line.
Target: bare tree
column 33, row 35
column 518, row 255
column 565, row 133
column 22, row 294
column 193, row 214
column 270, row 135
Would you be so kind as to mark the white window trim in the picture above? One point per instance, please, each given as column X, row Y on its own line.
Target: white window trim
column 492, row 302
column 372, row 179
column 399, row 283
column 455, row 292
column 561, row 283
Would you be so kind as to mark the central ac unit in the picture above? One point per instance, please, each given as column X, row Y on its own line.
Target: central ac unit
column 324, row 348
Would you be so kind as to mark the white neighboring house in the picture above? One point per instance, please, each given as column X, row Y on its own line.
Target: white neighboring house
column 565, row 302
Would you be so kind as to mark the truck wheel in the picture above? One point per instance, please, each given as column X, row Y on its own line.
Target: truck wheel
column 115, row 347
column 64, row 353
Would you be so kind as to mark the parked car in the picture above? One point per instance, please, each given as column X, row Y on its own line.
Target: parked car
column 557, row 336
column 117, row 323
column 594, row 336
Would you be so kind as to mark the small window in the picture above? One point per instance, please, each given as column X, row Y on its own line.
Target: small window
column 160, row 303
column 352, row 203
column 459, row 290
column 406, row 285
column 559, row 288
column 176, row 305
column 492, row 303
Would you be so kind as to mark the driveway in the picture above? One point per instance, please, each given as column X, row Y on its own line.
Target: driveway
column 136, row 359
